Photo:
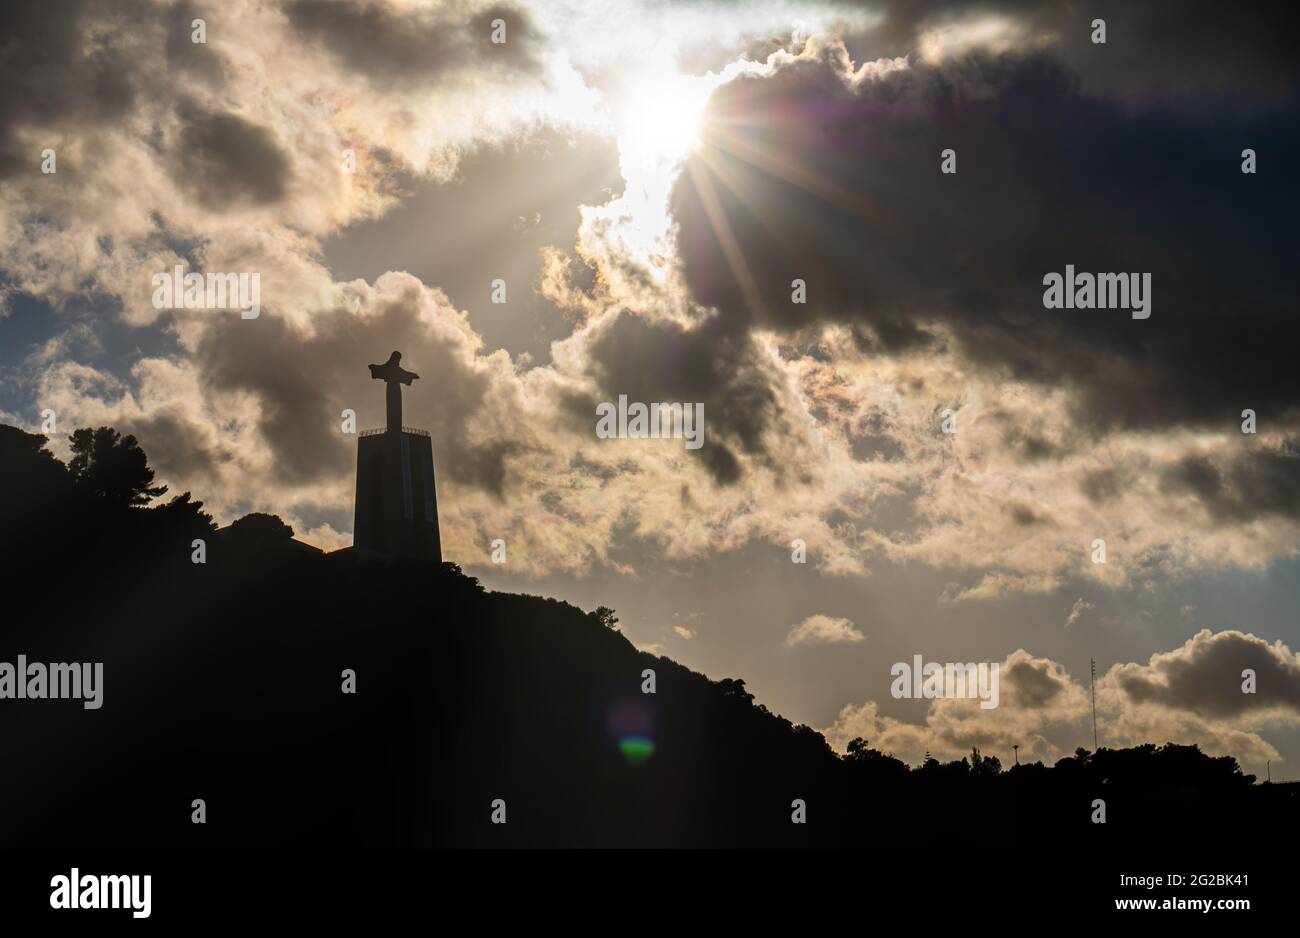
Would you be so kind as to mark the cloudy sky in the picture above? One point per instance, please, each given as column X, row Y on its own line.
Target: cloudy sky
column 647, row 178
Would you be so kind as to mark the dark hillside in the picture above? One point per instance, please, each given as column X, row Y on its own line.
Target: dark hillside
column 223, row 681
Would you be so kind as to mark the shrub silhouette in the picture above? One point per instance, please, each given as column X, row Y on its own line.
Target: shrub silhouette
column 259, row 530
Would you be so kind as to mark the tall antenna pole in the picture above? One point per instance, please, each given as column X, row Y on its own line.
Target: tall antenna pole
column 1092, row 687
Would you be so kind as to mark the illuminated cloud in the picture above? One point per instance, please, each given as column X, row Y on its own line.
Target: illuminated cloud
column 820, row 629
column 1189, row 695
column 1076, row 612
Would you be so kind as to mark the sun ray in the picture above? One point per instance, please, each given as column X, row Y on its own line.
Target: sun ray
column 727, row 239
column 793, row 172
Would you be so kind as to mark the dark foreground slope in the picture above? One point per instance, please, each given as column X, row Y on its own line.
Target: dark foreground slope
column 223, row 682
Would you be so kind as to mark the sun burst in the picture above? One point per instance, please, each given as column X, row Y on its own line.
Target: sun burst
column 659, row 117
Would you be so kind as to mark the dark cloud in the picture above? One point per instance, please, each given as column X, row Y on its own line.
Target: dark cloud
column 892, row 337
column 1024, row 516
column 874, row 446
column 227, row 161
column 581, row 465
column 1030, row 443
column 721, row 463
column 1102, row 485
column 398, row 46
column 178, row 448
column 660, row 361
column 50, row 74
column 302, row 383
column 1204, row 676
column 1030, row 446
column 1197, row 54
column 1032, row 684
column 77, row 64
column 840, row 185
column 184, row 54
column 1253, row 485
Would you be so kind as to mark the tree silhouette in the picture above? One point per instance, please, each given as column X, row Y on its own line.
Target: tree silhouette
column 112, row 467
column 984, row 765
column 260, row 529
column 31, row 471
column 733, row 687
column 605, row 617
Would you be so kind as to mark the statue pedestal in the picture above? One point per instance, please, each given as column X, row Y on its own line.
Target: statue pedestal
column 397, row 504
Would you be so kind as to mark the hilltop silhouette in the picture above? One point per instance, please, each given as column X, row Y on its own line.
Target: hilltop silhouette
column 223, row 682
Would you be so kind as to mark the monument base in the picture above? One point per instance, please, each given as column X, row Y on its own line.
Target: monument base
column 396, row 505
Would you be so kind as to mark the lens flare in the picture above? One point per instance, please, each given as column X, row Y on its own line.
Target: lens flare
column 636, row 749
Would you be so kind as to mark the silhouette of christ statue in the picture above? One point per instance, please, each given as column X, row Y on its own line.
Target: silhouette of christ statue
column 394, row 375
column 397, row 501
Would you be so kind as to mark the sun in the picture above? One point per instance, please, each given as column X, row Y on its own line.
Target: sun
column 659, row 115
column 659, row 118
